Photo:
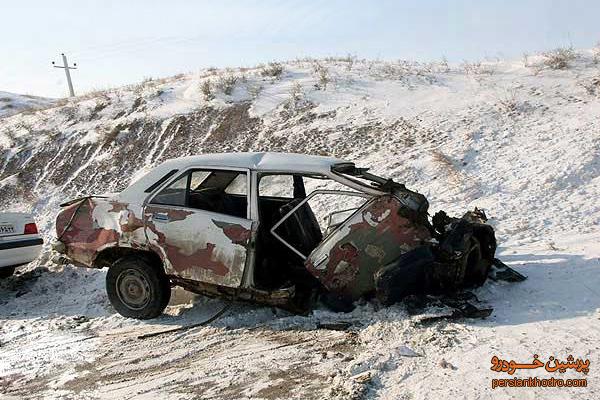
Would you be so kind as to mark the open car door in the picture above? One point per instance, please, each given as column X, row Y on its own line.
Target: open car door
column 373, row 236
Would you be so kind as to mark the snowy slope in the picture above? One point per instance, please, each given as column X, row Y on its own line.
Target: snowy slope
column 11, row 103
column 520, row 141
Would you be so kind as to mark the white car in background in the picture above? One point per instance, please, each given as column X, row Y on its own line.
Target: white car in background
column 20, row 242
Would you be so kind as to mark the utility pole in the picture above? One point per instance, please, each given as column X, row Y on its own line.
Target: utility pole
column 67, row 68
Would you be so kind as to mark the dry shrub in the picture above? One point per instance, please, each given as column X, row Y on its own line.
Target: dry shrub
column 322, row 74
column 349, row 60
column 226, row 83
column 207, row 90
column 447, row 165
column 296, row 101
column 272, row 70
column 509, row 102
column 392, row 71
column 559, row 58
column 443, row 65
column 477, row 68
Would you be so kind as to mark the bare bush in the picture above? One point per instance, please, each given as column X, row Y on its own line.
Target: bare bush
column 392, row 71
column 272, row 70
column 296, row 102
column 349, row 60
column 443, row 65
column 509, row 102
column 207, row 90
column 322, row 74
column 559, row 58
column 447, row 165
column 226, row 83
column 296, row 93
column 477, row 68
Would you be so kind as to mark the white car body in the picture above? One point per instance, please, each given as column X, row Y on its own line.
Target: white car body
column 20, row 242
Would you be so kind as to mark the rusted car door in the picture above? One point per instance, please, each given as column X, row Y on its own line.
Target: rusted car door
column 200, row 226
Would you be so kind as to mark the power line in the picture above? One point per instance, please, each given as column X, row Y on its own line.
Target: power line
column 67, row 68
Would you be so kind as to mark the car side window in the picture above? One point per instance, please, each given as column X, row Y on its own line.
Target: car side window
column 220, row 191
column 276, row 186
column 238, row 186
column 197, row 178
column 174, row 194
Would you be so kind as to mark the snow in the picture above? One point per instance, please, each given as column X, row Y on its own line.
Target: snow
column 522, row 144
column 11, row 103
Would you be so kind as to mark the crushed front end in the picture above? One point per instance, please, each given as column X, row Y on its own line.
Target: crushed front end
column 390, row 249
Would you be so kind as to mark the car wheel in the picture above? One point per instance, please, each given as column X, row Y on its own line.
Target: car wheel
column 137, row 289
column 477, row 268
column 6, row 272
column 336, row 303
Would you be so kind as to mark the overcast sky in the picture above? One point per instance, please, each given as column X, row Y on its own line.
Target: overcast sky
column 120, row 42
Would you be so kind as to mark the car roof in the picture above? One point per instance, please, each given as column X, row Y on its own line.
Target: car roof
column 265, row 161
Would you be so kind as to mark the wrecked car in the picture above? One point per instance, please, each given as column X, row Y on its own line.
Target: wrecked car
column 279, row 229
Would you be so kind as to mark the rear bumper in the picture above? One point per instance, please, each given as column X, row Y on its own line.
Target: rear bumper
column 19, row 252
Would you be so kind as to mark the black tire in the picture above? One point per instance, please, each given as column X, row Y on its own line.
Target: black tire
column 476, row 267
column 137, row 289
column 6, row 272
column 337, row 303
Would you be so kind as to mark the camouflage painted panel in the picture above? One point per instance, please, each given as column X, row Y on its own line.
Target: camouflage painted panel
column 198, row 245
column 93, row 225
column 372, row 238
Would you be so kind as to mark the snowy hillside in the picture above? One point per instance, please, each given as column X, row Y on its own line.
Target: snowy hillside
column 11, row 103
column 520, row 139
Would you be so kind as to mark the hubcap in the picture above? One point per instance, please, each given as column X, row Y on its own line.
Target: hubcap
column 133, row 289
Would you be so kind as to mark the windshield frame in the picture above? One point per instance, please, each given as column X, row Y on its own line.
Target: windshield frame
column 348, row 172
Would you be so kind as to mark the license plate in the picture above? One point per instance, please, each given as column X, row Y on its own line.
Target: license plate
column 7, row 229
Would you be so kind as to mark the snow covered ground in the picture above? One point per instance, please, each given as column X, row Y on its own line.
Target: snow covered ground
column 11, row 103
column 511, row 137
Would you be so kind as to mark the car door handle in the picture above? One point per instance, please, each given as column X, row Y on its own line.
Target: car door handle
column 162, row 217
